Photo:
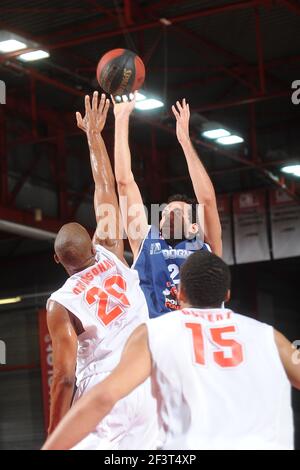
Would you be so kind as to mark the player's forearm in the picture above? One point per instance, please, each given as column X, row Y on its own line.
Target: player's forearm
column 123, row 170
column 202, row 184
column 81, row 420
column 101, row 167
column 131, row 203
column 61, row 398
column 206, row 197
column 213, row 231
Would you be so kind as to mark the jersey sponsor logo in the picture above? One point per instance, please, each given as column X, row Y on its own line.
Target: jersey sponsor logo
column 155, row 248
column 171, row 253
column 175, row 254
column 171, row 296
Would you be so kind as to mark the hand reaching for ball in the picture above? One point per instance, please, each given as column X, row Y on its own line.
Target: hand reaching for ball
column 95, row 115
column 125, row 106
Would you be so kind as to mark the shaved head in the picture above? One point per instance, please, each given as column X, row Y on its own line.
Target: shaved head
column 73, row 247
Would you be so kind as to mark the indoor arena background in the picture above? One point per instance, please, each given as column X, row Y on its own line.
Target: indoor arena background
column 236, row 62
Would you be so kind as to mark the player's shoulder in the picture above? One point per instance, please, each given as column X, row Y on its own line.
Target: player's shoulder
column 250, row 322
column 62, row 292
column 167, row 318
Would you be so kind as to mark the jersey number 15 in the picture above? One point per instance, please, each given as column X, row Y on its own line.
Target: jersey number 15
column 216, row 335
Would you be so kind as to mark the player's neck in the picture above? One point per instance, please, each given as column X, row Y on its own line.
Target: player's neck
column 188, row 305
column 90, row 262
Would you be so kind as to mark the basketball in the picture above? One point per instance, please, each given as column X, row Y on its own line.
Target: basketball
column 120, row 72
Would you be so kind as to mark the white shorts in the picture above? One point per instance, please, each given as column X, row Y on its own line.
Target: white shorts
column 131, row 425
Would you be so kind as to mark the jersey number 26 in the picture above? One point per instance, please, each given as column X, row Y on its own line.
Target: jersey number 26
column 113, row 290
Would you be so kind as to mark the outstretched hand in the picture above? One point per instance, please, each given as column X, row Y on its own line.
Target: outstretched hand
column 95, row 115
column 124, row 108
column 182, row 114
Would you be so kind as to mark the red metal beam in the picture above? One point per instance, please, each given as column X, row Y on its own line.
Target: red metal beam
column 51, row 10
column 153, row 173
column 27, row 218
column 156, row 23
column 194, row 41
column 80, row 200
column 19, row 185
column 4, row 57
column 262, row 165
column 33, row 106
column 260, row 52
column 69, row 30
column 293, row 6
column 242, row 101
column 196, row 140
column 253, row 133
column 14, row 368
column 196, row 83
column 231, row 156
column 45, row 79
column 61, row 168
column 128, row 12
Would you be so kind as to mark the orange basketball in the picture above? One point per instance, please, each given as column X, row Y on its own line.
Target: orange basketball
column 120, row 72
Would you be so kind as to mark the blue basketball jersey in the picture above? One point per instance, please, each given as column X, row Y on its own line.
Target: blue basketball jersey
column 158, row 265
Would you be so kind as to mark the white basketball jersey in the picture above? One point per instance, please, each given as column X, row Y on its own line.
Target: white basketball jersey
column 110, row 304
column 220, row 382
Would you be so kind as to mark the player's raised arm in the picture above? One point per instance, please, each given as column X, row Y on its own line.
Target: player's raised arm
column 64, row 343
column 133, row 369
column 290, row 358
column 105, row 198
column 131, row 203
column 202, row 184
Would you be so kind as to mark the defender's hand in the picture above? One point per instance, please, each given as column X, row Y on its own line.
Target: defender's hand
column 95, row 115
column 182, row 115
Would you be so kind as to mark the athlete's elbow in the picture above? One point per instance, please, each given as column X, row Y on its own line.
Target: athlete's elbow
column 106, row 400
column 64, row 379
column 124, row 181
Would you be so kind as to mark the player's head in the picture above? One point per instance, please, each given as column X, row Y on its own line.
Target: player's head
column 73, row 248
column 179, row 219
column 204, row 281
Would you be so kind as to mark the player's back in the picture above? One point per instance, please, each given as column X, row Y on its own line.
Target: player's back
column 220, row 382
column 109, row 303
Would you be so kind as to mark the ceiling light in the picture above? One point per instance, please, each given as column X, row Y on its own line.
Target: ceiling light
column 148, row 103
column 230, row 140
column 215, row 133
column 140, row 96
column 11, row 300
column 33, row 55
column 292, row 169
column 11, row 45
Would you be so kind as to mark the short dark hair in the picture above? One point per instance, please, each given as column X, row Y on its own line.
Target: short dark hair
column 205, row 279
column 188, row 200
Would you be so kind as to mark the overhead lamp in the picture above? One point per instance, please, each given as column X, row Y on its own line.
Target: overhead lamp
column 11, row 42
column 10, row 300
column 230, row 140
column 216, row 133
column 11, row 45
column 292, row 169
column 33, row 55
column 148, row 103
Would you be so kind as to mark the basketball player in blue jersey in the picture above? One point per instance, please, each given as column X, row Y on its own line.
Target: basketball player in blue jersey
column 159, row 252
